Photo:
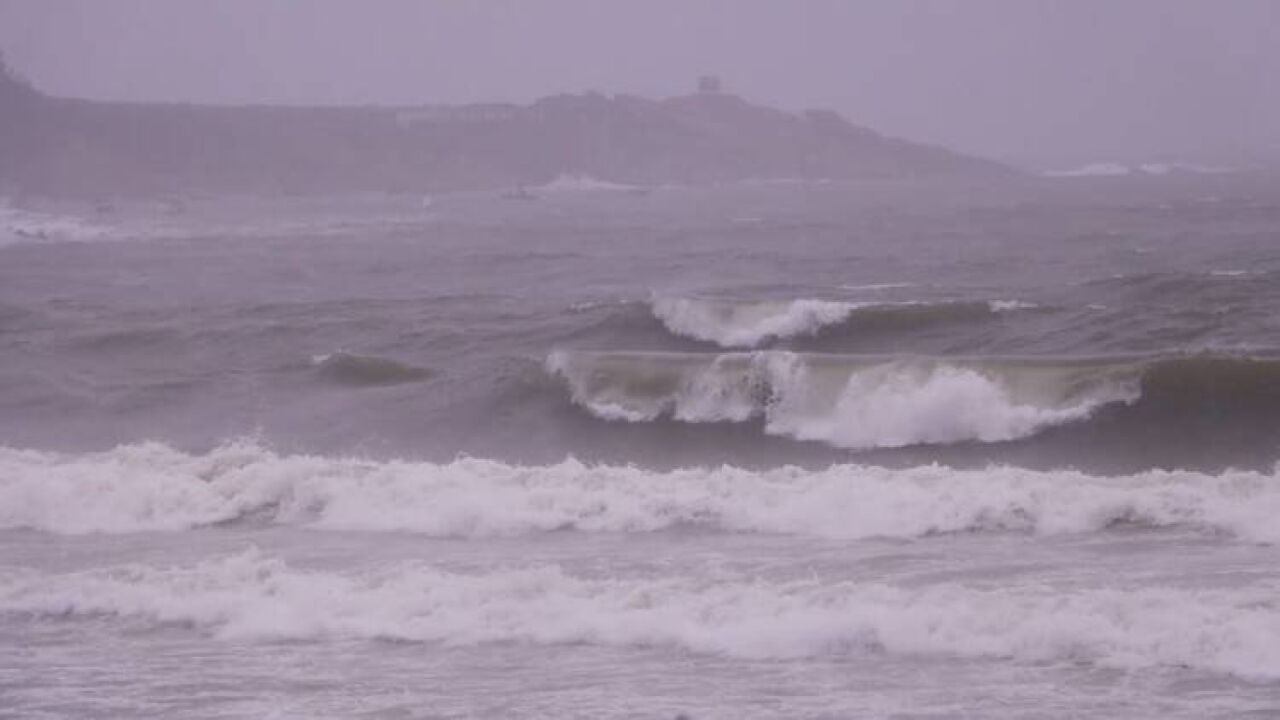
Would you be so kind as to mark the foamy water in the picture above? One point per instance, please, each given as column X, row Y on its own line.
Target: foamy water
column 250, row 596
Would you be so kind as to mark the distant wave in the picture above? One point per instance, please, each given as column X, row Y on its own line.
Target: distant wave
column 576, row 182
column 18, row 226
column 29, row 226
column 1091, row 170
column 1119, row 170
column 1176, row 167
column 251, row 595
column 1213, row 287
column 151, row 487
column 366, row 370
column 783, row 181
column 855, row 402
column 878, row 286
column 751, row 323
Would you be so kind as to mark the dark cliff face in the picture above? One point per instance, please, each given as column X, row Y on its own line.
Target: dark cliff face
column 73, row 147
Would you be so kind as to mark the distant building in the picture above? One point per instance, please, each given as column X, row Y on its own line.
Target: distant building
column 709, row 85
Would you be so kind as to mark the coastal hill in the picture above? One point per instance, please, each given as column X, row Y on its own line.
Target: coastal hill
column 60, row 146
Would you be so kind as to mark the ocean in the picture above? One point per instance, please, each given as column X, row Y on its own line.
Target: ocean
column 772, row 449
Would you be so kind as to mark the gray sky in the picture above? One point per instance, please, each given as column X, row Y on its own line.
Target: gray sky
column 1033, row 81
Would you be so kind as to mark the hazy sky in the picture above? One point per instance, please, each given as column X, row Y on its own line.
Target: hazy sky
column 1036, row 81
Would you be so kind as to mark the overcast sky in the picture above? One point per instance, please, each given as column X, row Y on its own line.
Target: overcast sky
column 1032, row 81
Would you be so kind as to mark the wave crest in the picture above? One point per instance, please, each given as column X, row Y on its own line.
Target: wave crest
column 749, row 324
column 367, row 370
column 154, row 488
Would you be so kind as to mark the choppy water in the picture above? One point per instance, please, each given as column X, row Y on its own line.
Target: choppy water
column 771, row 450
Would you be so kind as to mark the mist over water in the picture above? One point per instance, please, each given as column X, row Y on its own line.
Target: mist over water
column 1048, row 85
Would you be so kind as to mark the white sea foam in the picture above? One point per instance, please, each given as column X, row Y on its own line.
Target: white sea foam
column 252, row 596
column 151, row 487
column 878, row 286
column 852, row 403
column 1002, row 306
column 734, row 324
column 577, row 182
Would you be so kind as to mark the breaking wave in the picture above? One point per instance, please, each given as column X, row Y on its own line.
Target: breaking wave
column 254, row 596
column 855, row 402
column 151, row 487
column 747, row 324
